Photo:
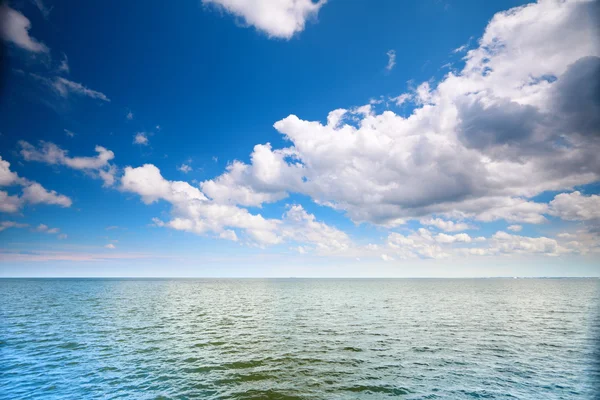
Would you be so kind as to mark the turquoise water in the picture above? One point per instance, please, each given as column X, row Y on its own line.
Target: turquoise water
column 298, row 339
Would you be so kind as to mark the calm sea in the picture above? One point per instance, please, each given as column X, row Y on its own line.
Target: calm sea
column 299, row 338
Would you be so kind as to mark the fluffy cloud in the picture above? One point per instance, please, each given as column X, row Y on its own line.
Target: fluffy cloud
column 50, row 153
column 193, row 212
column 265, row 180
column 277, row 18
column 33, row 192
column 575, row 206
column 515, row 228
column 479, row 144
column 14, row 28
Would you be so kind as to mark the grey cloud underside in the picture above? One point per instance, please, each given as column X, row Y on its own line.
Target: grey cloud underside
column 521, row 118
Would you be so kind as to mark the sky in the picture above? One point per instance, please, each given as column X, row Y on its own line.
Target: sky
column 299, row 138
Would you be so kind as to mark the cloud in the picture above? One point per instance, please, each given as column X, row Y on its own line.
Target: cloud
column 8, row 203
column 110, row 246
column 14, row 28
column 276, row 18
column 37, row 194
column 11, row 224
column 129, row 115
column 43, row 8
column 69, row 133
column 391, row 59
column 65, row 87
column 184, row 168
column 141, row 138
column 49, row 153
column 45, row 229
column 515, row 228
column 480, row 144
column 32, row 192
column 575, row 207
column 448, row 226
column 64, row 65
column 193, row 212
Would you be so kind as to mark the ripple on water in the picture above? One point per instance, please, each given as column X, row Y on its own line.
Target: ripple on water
column 298, row 339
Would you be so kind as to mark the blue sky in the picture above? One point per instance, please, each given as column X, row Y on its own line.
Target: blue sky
column 430, row 138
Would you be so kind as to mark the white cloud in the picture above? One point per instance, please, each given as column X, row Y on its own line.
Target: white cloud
column 140, row 138
column 46, row 229
column 49, row 153
column 129, row 116
column 193, row 212
column 110, row 246
column 385, row 257
column 184, row 168
column 8, row 203
column 575, row 206
column 69, row 133
column 277, row 18
column 65, row 87
column 479, row 145
column 515, row 228
column 458, row 238
column 448, row 226
column 11, row 224
column 391, row 59
column 14, row 28
column 33, row 192
column 265, row 180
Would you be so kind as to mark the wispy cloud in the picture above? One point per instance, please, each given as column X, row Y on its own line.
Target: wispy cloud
column 391, row 60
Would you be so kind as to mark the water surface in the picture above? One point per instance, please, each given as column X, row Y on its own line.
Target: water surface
column 298, row 339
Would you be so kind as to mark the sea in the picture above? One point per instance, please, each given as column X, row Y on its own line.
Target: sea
column 299, row 338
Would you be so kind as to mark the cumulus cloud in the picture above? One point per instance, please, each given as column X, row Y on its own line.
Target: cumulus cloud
column 575, row 206
column 50, row 153
column 480, row 144
column 515, row 228
column 14, row 28
column 35, row 193
column 32, row 192
column 110, row 246
column 276, row 18
column 193, row 212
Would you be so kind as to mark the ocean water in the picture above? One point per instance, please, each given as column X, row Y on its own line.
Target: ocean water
column 299, row 339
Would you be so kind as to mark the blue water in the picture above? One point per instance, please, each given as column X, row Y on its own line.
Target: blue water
column 299, row 339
